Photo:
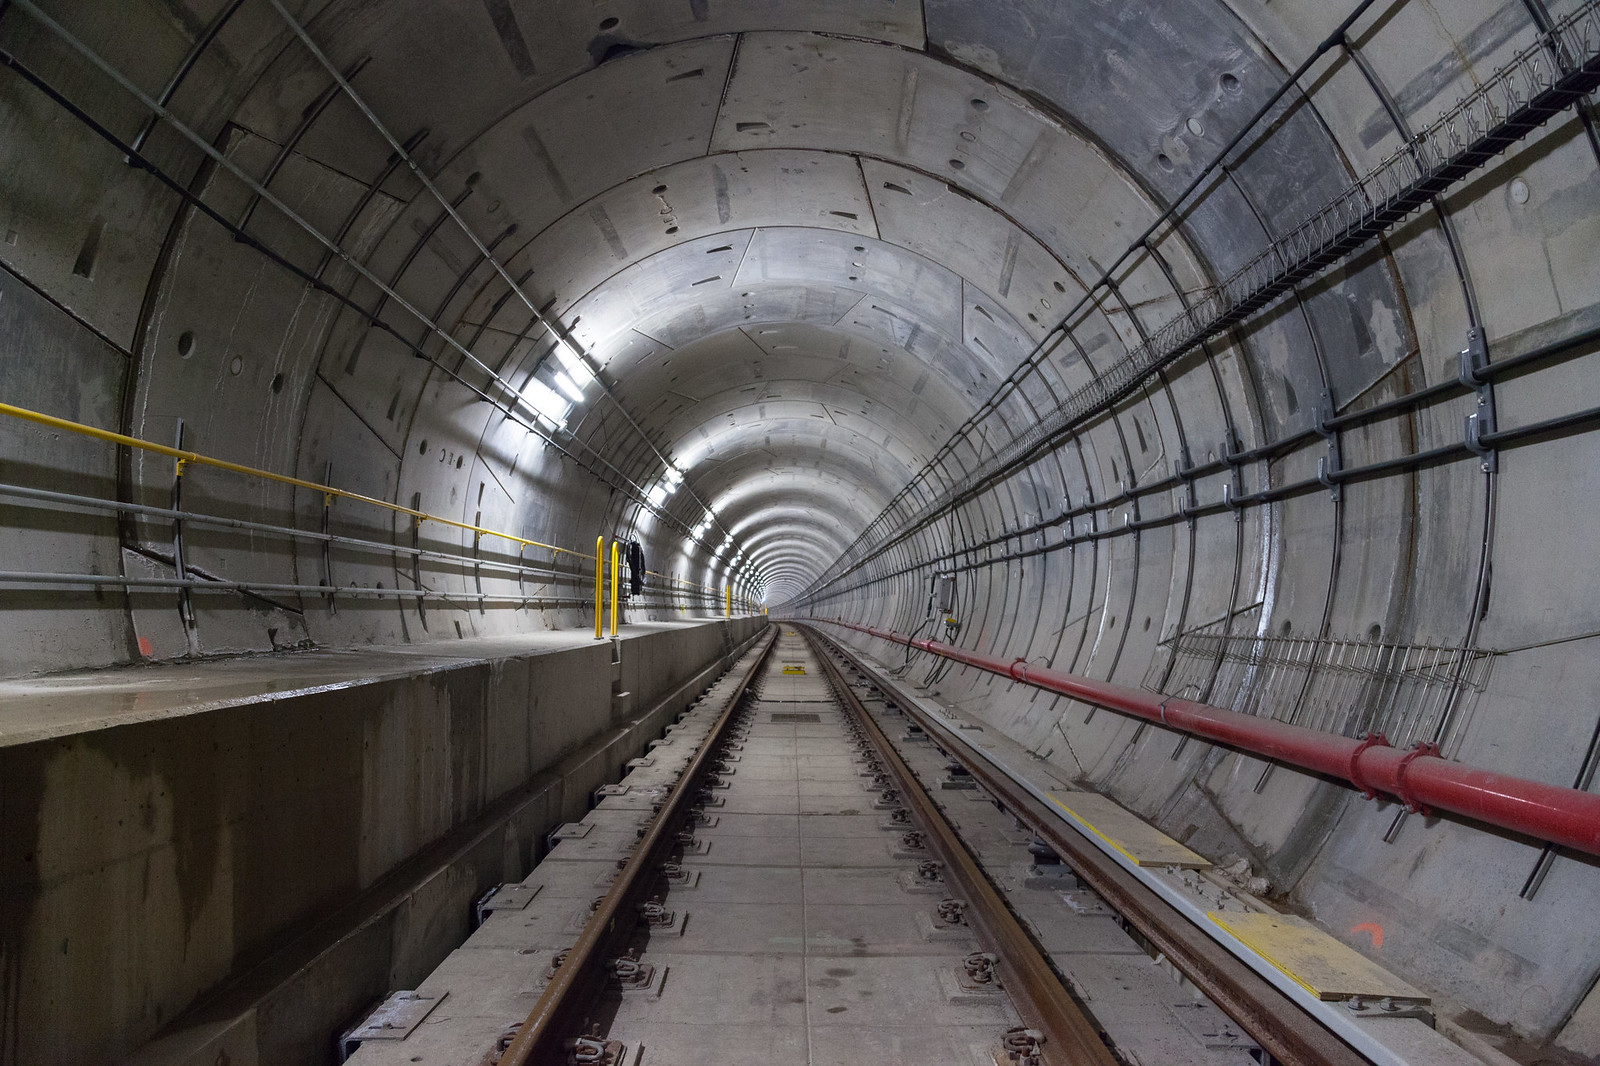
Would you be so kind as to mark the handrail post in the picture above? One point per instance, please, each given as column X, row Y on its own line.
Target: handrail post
column 599, row 574
column 180, row 565
column 615, row 573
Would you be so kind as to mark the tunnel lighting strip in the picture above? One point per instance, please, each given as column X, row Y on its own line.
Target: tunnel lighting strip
column 562, row 338
column 1418, row 777
column 1460, row 142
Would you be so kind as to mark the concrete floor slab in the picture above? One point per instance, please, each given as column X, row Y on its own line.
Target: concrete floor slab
column 822, row 824
column 895, row 992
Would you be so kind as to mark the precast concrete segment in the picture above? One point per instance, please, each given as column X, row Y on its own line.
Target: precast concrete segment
column 1419, row 777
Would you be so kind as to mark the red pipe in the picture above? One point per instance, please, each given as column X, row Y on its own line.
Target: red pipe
column 1418, row 776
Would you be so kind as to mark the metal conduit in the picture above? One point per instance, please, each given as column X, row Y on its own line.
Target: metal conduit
column 1418, row 776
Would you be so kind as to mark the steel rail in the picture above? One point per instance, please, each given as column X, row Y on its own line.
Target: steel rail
column 1418, row 776
column 1292, row 1035
column 1072, row 1037
column 556, row 1016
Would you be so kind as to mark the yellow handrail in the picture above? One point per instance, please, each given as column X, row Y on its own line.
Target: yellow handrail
column 599, row 573
column 184, row 456
column 616, row 568
column 328, row 491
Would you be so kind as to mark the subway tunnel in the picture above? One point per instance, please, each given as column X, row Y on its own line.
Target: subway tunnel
column 414, row 408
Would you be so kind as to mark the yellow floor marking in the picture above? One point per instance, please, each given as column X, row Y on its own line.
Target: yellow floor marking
column 1314, row 960
column 1127, row 832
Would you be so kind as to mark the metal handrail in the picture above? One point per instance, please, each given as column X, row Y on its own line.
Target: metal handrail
column 185, row 456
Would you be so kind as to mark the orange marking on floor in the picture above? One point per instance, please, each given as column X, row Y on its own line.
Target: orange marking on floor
column 1370, row 927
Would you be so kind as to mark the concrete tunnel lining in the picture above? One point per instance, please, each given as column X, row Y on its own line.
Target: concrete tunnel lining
column 802, row 246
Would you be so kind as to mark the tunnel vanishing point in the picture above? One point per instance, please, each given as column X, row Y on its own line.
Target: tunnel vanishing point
column 799, row 531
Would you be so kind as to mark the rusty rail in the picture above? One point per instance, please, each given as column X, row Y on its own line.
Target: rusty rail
column 557, row 1016
column 1072, row 1037
column 1284, row 1029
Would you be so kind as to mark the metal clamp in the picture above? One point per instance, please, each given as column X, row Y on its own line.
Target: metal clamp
column 1371, row 740
column 1329, row 466
column 1425, row 747
column 1474, row 361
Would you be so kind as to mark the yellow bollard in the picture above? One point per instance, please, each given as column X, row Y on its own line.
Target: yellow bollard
column 616, row 555
column 730, row 601
column 599, row 573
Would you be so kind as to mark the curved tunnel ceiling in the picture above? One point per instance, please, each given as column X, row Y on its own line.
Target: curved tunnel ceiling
column 773, row 286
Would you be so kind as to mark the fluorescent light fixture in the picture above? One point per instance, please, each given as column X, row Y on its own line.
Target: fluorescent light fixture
column 572, row 363
column 568, row 386
column 656, row 495
column 543, row 399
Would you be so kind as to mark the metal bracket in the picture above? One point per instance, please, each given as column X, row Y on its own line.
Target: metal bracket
column 1329, row 466
column 1184, row 472
column 394, row 1019
column 1371, row 740
column 1474, row 358
column 1426, row 747
column 1233, row 488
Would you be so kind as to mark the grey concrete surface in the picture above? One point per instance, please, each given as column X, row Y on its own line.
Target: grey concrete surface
column 798, row 245
column 313, row 846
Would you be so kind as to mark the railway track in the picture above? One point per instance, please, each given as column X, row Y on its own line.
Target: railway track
column 807, row 869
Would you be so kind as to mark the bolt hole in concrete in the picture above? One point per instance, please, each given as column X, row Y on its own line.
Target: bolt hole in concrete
column 956, row 164
column 1165, row 161
column 609, row 23
column 1229, row 83
column 185, row 344
column 671, row 230
column 422, row 449
column 277, row 384
column 659, row 189
column 980, row 105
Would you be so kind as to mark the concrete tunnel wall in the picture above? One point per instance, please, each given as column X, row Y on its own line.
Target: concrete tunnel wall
column 800, row 245
column 304, row 851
